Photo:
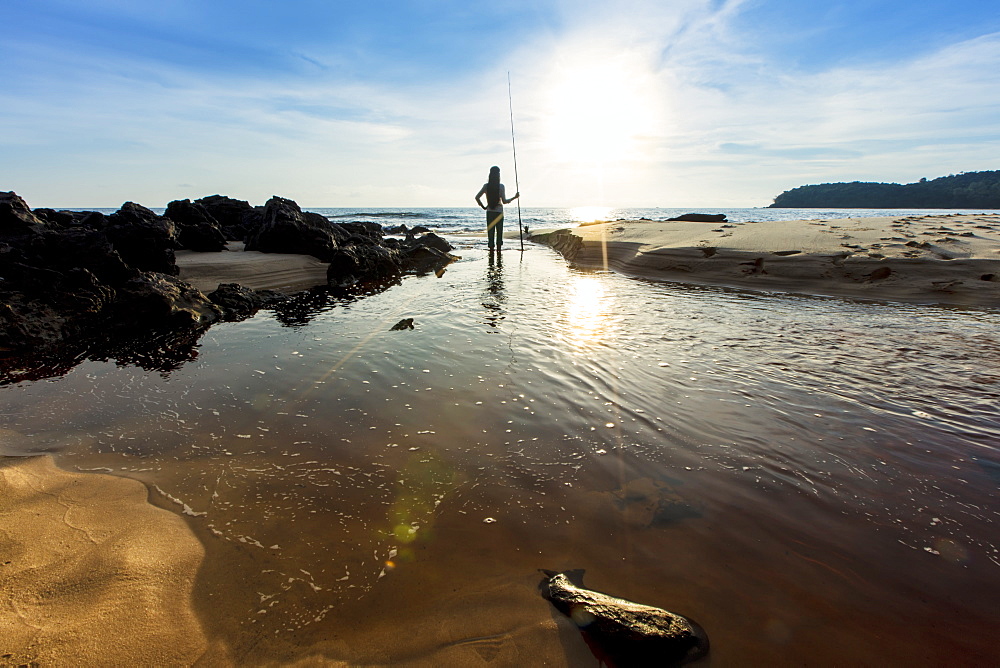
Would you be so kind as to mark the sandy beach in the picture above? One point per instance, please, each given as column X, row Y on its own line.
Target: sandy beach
column 949, row 259
column 91, row 570
column 252, row 269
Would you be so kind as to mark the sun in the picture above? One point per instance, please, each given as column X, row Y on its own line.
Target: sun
column 600, row 107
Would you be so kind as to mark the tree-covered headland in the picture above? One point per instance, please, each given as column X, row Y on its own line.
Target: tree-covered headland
column 968, row 190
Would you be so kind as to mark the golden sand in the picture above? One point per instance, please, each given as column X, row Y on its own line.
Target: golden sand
column 949, row 259
column 91, row 573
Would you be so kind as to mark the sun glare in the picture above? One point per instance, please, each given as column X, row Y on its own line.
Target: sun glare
column 589, row 214
column 587, row 321
column 599, row 107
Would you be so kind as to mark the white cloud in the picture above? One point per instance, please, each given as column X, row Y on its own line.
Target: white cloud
column 669, row 106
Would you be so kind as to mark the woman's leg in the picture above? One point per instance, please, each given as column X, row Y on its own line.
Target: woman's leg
column 494, row 227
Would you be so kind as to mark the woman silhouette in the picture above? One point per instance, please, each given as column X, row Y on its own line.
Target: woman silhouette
column 496, row 197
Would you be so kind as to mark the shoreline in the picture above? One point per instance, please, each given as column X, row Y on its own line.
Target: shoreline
column 946, row 259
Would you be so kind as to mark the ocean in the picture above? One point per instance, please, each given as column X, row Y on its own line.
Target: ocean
column 456, row 220
column 472, row 219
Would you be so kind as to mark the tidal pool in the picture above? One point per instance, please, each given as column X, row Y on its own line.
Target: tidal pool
column 813, row 480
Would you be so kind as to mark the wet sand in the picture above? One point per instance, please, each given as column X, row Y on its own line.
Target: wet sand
column 252, row 269
column 948, row 259
column 93, row 574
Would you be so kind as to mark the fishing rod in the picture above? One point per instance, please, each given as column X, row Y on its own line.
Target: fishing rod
column 517, row 185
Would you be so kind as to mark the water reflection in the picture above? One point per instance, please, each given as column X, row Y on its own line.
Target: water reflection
column 303, row 307
column 587, row 321
column 495, row 298
column 166, row 351
column 163, row 351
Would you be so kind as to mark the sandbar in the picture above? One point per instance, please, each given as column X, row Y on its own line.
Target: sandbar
column 91, row 573
column 944, row 259
column 251, row 269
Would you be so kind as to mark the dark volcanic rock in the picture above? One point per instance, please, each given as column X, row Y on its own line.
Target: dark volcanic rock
column 94, row 220
column 362, row 232
column 239, row 303
column 287, row 229
column 365, row 255
column 155, row 300
column 236, row 218
column 16, row 219
column 423, row 259
column 54, row 218
column 431, row 240
column 63, row 279
column 701, row 217
column 426, row 253
column 79, row 284
column 198, row 230
column 623, row 633
column 144, row 240
column 63, row 306
column 80, row 247
column 67, row 219
column 360, row 262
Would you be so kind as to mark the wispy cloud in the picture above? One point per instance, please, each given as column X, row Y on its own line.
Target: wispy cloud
column 645, row 103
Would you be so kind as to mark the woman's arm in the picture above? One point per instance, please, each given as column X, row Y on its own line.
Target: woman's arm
column 508, row 201
column 482, row 191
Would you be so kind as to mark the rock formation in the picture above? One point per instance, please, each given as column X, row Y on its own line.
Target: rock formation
column 236, row 218
column 64, row 275
column 622, row 633
column 82, row 280
column 239, row 303
column 286, row 228
column 197, row 228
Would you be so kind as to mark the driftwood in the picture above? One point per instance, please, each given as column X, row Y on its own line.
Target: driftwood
column 621, row 633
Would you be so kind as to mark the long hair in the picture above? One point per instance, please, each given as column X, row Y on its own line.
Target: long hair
column 493, row 187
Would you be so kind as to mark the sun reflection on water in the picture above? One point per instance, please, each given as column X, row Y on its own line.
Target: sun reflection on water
column 588, row 318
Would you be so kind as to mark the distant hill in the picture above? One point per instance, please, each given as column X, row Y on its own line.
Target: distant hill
column 969, row 190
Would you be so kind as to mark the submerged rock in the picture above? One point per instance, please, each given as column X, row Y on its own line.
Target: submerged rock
column 424, row 259
column 621, row 633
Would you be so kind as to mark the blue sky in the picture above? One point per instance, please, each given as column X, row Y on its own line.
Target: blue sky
column 668, row 103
